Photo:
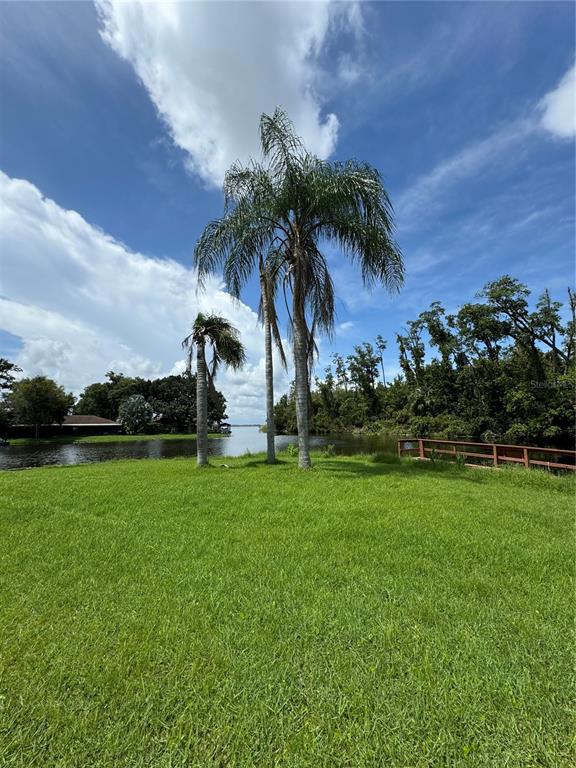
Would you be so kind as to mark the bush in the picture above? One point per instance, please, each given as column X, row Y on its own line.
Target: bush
column 384, row 458
column 135, row 414
column 329, row 450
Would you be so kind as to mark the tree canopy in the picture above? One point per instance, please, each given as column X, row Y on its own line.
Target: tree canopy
column 39, row 401
column 496, row 370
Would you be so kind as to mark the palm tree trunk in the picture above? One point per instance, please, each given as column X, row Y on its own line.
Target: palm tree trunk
column 301, row 383
column 270, row 423
column 201, row 407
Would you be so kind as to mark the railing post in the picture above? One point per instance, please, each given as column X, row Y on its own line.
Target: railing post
column 526, row 459
column 421, row 448
column 399, row 448
column 495, row 454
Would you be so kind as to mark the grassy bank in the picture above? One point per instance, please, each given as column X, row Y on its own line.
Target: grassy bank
column 361, row 614
column 108, row 438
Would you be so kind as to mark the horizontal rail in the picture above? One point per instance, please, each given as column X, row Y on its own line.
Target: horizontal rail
column 488, row 445
column 492, row 452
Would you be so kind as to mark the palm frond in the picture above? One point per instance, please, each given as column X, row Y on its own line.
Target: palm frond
column 281, row 146
column 223, row 339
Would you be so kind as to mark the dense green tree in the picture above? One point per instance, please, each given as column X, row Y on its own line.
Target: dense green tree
column 7, row 380
column 498, row 370
column 39, row 401
column 221, row 337
column 173, row 400
column 96, row 401
column 135, row 414
column 7, row 375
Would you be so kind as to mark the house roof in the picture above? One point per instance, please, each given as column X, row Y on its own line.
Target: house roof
column 86, row 420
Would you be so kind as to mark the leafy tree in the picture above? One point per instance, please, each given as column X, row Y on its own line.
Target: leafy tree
column 491, row 371
column 135, row 414
column 96, row 401
column 288, row 208
column 381, row 345
column 341, row 371
column 39, row 401
column 412, row 352
column 363, row 368
column 220, row 335
column 7, row 377
column 173, row 400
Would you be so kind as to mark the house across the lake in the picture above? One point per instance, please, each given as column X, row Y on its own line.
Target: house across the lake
column 89, row 425
column 71, row 426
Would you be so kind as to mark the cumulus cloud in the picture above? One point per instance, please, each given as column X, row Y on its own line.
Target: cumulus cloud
column 559, row 107
column 212, row 68
column 82, row 303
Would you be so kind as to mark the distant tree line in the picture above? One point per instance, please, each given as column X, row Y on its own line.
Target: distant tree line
column 166, row 404
column 495, row 371
column 172, row 399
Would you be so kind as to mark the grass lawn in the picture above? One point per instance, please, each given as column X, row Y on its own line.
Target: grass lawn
column 361, row 614
column 108, row 438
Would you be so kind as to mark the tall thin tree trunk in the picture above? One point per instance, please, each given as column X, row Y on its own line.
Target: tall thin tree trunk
column 383, row 374
column 201, row 407
column 270, row 422
column 188, row 376
column 301, row 382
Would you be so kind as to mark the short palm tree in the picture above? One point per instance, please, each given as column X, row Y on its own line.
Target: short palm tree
column 222, row 337
column 289, row 208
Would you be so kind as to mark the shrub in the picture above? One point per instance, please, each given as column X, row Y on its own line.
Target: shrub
column 384, row 458
column 135, row 414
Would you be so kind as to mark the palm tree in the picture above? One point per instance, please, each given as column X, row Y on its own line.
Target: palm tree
column 289, row 209
column 215, row 332
column 205, row 261
column 267, row 312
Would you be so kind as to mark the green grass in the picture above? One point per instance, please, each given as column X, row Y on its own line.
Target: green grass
column 366, row 613
column 108, row 438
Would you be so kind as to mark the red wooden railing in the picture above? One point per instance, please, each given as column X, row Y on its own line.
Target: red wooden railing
column 488, row 454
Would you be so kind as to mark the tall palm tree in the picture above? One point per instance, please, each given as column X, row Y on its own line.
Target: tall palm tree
column 290, row 207
column 268, row 274
column 222, row 337
column 267, row 312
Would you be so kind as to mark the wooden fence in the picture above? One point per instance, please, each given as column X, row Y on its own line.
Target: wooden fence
column 488, row 454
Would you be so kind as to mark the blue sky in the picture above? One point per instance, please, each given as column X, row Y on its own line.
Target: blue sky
column 117, row 121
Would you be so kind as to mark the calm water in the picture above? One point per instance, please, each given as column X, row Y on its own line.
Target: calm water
column 241, row 440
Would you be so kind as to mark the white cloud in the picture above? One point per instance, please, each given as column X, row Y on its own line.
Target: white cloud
column 559, row 107
column 555, row 112
column 342, row 328
column 423, row 197
column 82, row 303
column 212, row 68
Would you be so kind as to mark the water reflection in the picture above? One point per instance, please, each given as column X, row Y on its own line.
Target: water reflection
column 241, row 441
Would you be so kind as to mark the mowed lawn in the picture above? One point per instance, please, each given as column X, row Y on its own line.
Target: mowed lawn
column 361, row 614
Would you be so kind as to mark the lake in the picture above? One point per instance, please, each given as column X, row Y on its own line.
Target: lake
column 239, row 442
